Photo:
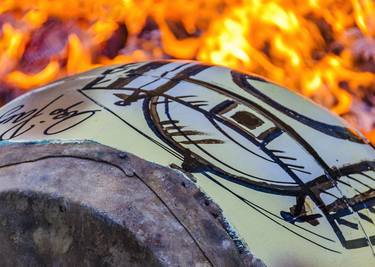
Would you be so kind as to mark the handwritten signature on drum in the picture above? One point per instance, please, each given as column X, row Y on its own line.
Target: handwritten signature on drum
column 63, row 118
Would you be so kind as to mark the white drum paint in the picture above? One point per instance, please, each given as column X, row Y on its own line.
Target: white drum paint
column 294, row 181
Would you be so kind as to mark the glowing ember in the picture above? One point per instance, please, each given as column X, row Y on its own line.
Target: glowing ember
column 323, row 49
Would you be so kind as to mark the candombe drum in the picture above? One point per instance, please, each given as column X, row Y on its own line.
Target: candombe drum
column 283, row 180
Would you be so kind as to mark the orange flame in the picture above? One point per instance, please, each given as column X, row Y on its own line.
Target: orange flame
column 306, row 46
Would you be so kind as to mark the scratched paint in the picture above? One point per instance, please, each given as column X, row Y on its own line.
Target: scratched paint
column 294, row 181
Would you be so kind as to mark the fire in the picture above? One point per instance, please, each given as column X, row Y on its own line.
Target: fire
column 322, row 49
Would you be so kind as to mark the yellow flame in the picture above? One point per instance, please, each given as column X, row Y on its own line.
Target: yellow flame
column 287, row 41
column 12, row 46
column 273, row 14
column 35, row 18
column 79, row 59
column 102, row 30
column 27, row 81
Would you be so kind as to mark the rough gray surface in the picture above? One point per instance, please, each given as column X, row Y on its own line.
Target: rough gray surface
column 84, row 204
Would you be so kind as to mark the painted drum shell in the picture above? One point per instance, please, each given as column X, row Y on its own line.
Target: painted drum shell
column 282, row 168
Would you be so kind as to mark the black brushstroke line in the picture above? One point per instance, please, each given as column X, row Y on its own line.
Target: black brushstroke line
column 168, row 122
column 169, row 128
column 148, row 83
column 213, row 122
column 342, row 172
column 223, row 107
column 276, row 151
column 366, row 204
column 191, row 71
column 172, row 152
column 124, row 68
column 331, row 130
column 200, row 105
column 212, row 156
column 356, row 168
column 153, row 127
column 365, row 217
column 366, row 241
column 360, row 242
column 328, row 193
column 196, row 101
column 286, row 157
column 270, row 137
column 162, row 75
column 270, row 131
column 347, row 223
column 292, row 189
column 187, row 132
column 202, row 141
column 368, row 176
column 186, row 96
column 354, row 179
column 176, row 68
column 295, row 166
column 264, row 211
column 132, row 74
column 299, row 170
column 165, row 87
column 348, row 185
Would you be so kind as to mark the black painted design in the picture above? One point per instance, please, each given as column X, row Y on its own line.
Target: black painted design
column 243, row 123
column 332, row 130
column 62, row 119
column 249, row 126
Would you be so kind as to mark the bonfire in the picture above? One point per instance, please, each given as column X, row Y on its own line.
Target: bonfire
column 324, row 50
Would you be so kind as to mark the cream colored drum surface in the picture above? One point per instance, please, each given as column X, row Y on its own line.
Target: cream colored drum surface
column 294, row 181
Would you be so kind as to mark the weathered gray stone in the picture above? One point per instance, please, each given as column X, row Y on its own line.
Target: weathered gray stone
column 85, row 204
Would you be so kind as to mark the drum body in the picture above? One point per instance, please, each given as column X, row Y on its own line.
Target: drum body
column 293, row 180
